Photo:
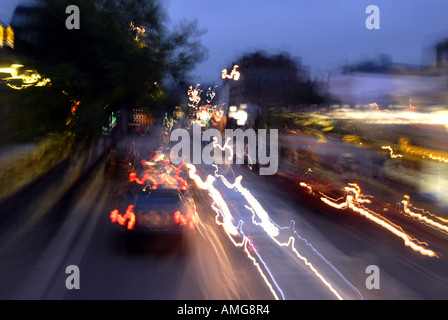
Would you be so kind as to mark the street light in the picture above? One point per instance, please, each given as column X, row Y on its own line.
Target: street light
column 235, row 75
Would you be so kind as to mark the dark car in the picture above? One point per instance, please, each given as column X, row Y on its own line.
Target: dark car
column 157, row 215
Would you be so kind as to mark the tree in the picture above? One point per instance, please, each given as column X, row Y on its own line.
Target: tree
column 118, row 57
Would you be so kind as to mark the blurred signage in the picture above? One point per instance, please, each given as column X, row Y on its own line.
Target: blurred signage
column 6, row 37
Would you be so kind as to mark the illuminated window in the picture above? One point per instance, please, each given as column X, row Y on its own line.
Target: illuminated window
column 9, row 37
column 2, row 36
column 6, row 36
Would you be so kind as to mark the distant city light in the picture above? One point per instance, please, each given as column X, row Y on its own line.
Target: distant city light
column 194, row 95
column 235, row 75
column 22, row 80
column 6, row 37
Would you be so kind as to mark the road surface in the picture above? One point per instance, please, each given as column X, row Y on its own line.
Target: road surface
column 302, row 250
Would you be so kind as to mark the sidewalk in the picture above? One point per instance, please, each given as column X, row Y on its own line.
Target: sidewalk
column 20, row 164
column 11, row 152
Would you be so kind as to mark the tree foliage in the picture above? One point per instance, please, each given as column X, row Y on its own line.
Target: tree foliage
column 107, row 61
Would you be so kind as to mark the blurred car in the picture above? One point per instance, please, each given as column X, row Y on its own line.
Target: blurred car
column 157, row 214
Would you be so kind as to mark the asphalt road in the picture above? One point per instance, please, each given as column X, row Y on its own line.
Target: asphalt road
column 318, row 253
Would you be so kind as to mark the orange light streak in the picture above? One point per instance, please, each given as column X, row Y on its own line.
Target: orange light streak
column 133, row 178
column 392, row 155
column 121, row 220
column 266, row 223
column 221, row 209
column 162, row 179
column 235, row 74
column 353, row 199
column 194, row 95
column 139, row 30
column 424, row 219
column 423, row 152
column 154, row 160
column 291, row 243
column 271, row 230
column 228, row 225
column 188, row 220
column 303, row 184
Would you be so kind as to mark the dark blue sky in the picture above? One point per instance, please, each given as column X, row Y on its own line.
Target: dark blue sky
column 6, row 10
column 323, row 33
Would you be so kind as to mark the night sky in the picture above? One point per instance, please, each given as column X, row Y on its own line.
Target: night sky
column 324, row 34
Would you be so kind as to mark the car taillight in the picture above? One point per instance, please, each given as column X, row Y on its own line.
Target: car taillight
column 188, row 220
column 178, row 217
column 182, row 184
column 129, row 216
column 133, row 178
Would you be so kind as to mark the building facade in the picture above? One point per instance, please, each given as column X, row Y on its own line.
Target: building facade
column 266, row 81
column 6, row 36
